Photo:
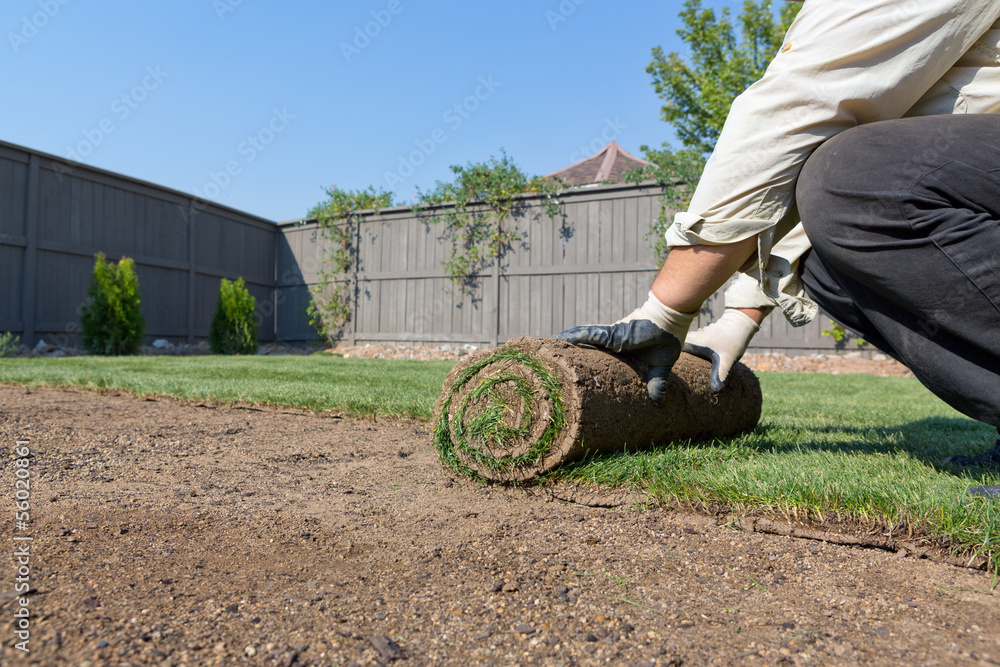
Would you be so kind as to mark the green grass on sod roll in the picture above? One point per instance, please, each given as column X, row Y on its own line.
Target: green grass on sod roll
column 476, row 438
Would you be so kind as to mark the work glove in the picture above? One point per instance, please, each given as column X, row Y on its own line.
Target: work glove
column 652, row 334
column 722, row 342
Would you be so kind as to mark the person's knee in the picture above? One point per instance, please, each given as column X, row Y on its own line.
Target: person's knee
column 819, row 181
column 836, row 189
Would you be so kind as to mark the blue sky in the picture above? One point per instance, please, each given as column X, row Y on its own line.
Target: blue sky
column 260, row 105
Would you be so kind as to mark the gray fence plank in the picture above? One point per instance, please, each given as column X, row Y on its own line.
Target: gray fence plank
column 47, row 248
column 591, row 263
column 13, row 174
column 599, row 270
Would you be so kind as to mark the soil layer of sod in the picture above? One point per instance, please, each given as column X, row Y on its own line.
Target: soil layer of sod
column 519, row 411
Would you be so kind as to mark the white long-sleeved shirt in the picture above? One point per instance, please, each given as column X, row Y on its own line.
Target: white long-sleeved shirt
column 843, row 63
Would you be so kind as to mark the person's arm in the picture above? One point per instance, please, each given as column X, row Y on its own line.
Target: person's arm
column 843, row 64
column 691, row 274
column 970, row 86
column 654, row 333
column 726, row 339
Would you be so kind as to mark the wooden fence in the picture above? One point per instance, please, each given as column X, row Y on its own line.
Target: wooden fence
column 55, row 216
column 591, row 263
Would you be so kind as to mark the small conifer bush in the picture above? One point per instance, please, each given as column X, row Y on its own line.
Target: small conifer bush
column 9, row 344
column 234, row 325
column 111, row 321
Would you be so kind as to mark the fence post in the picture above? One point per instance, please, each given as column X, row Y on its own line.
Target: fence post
column 355, row 294
column 275, row 279
column 30, row 269
column 495, row 324
column 191, row 271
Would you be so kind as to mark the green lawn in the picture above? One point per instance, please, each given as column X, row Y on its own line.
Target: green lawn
column 866, row 447
column 318, row 382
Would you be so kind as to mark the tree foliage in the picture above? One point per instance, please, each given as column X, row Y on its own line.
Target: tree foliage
column 112, row 322
column 9, row 344
column 234, row 324
column 725, row 57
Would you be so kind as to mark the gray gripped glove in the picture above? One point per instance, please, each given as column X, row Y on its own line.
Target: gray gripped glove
column 652, row 334
column 722, row 342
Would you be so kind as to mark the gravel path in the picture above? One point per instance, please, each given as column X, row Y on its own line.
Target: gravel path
column 839, row 363
column 836, row 364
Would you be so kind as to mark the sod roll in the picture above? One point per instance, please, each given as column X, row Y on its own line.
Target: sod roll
column 518, row 411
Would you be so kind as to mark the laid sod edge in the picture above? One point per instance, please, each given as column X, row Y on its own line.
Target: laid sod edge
column 363, row 388
column 490, row 420
column 927, row 507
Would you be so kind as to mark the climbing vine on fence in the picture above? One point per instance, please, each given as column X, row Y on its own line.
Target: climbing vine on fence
column 338, row 216
column 676, row 173
column 478, row 206
column 478, row 226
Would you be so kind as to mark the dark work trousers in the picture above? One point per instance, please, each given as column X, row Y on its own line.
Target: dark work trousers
column 904, row 219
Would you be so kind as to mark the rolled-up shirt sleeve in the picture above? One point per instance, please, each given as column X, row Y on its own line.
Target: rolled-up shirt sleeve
column 843, row 63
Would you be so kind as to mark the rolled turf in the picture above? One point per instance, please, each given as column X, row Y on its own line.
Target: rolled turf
column 518, row 411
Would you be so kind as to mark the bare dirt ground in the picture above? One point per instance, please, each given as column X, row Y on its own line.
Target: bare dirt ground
column 167, row 533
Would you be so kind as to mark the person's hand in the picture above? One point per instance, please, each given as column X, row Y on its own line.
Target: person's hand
column 722, row 342
column 652, row 334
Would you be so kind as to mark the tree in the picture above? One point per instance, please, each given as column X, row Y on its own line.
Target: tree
column 234, row 324
column 112, row 320
column 725, row 58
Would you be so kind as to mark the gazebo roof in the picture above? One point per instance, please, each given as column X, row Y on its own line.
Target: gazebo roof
column 608, row 165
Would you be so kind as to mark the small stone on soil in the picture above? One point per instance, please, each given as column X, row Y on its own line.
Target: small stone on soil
column 388, row 648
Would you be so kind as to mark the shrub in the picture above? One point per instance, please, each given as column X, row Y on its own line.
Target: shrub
column 9, row 344
column 112, row 322
column 842, row 336
column 234, row 325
